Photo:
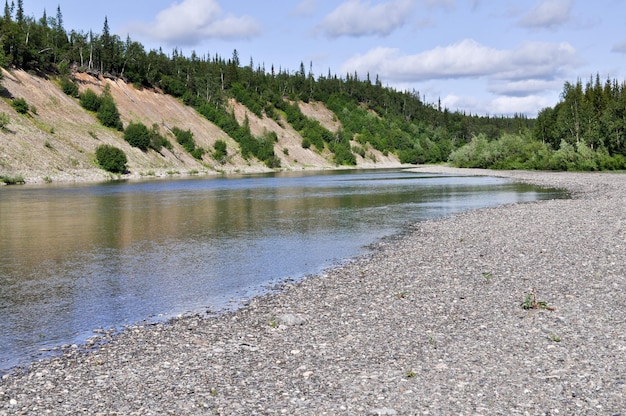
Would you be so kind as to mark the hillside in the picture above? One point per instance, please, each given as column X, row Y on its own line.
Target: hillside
column 57, row 141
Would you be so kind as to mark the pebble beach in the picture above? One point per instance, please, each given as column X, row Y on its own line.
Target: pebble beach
column 513, row 310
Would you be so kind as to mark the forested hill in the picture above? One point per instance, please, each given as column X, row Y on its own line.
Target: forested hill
column 369, row 121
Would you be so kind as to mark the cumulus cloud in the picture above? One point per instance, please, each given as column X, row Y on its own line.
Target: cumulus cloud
column 530, row 104
column 190, row 21
column 548, row 14
column 522, row 88
column 502, row 105
column 356, row 18
column 467, row 59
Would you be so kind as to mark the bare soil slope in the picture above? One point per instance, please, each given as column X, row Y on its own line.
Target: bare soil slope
column 57, row 141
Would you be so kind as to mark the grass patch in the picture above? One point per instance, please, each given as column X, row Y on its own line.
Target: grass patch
column 12, row 180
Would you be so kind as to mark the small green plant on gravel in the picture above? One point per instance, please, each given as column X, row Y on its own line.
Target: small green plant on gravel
column 410, row 374
column 402, row 295
column 488, row 276
column 555, row 338
column 273, row 323
column 531, row 302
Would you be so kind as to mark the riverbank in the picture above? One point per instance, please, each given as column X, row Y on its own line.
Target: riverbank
column 430, row 323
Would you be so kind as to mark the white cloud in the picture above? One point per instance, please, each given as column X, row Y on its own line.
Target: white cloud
column 530, row 105
column 619, row 47
column 191, row 21
column 522, row 88
column 444, row 4
column 548, row 14
column 356, row 18
column 467, row 59
column 305, row 8
column 454, row 102
column 499, row 106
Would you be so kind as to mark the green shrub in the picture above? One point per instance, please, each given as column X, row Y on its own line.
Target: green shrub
column 20, row 105
column 111, row 158
column 157, row 141
column 69, row 87
column 138, row 135
column 4, row 120
column 185, row 139
column 89, row 100
column 108, row 114
column 198, row 152
column 12, row 180
column 220, row 150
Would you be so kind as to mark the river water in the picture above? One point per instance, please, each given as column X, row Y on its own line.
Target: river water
column 74, row 258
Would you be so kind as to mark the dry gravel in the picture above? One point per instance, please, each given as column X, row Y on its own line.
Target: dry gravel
column 429, row 323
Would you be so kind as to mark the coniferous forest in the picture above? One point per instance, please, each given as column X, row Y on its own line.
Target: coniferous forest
column 586, row 130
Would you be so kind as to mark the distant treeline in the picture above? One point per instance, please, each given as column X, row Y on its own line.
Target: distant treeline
column 373, row 116
column 586, row 130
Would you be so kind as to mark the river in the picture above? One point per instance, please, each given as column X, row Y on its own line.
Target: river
column 74, row 258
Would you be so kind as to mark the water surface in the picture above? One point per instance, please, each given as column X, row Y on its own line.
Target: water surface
column 75, row 258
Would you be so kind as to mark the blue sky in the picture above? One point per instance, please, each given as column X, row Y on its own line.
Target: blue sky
column 482, row 57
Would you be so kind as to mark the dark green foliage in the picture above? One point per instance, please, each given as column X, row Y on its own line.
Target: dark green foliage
column 594, row 116
column 341, row 148
column 138, row 135
column 220, row 151
column 198, row 152
column 111, row 158
column 173, row 86
column 89, row 100
column 70, row 88
column 185, row 139
column 311, row 130
column 157, row 141
column 251, row 100
column 108, row 114
column 20, row 105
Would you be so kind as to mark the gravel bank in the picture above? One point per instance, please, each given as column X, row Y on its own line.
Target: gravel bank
column 430, row 323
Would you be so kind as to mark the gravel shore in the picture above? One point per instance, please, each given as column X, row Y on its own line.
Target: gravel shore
column 430, row 323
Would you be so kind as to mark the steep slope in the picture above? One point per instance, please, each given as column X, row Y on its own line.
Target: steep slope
column 57, row 141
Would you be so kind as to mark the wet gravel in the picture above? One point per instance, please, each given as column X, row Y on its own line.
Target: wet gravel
column 429, row 323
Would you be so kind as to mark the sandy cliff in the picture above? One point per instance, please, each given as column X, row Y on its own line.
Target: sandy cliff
column 57, row 141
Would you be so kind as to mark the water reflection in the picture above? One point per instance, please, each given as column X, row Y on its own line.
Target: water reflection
column 74, row 258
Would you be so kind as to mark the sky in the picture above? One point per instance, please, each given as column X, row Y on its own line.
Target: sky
column 481, row 57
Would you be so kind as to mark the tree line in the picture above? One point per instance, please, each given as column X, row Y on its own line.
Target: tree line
column 588, row 121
